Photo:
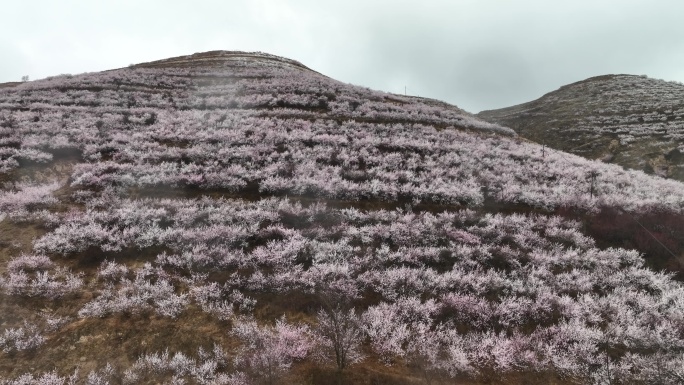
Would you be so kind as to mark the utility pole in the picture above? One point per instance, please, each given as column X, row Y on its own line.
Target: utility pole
column 592, row 176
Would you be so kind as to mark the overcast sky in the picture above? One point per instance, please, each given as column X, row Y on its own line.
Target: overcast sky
column 477, row 54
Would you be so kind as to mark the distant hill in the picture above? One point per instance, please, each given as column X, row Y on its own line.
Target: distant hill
column 633, row 121
column 238, row 218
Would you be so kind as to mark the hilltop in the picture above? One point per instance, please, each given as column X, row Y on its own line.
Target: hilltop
column 633, row 121
column 238, row 218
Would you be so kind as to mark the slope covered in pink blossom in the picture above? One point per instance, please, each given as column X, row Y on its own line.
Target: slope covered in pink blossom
column 237, row 218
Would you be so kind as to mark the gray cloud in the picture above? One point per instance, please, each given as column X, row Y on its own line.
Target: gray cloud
column 477, row 54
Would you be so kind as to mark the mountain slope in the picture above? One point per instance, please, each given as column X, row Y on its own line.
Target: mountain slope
column 237, row 218
column 632, row 121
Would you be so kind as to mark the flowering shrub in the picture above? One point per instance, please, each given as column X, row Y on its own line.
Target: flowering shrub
column 179, row 366
column 27, row 337
column 30, row 262
column 146, row 291
column 211, row 298
column 17, row 203
column 267, row 352
column 36, row 275
column 51, row 378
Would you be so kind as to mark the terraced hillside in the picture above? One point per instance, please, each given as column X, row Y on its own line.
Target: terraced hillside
column 237, row 218
column 633, row 121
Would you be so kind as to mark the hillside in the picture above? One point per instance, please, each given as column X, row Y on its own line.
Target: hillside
column 238, row 218
column 632, row 121
column 9, row 84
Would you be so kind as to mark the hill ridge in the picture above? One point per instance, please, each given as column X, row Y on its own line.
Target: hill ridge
column 216, row 56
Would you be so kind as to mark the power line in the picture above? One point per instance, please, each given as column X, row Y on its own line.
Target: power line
column 592, row 175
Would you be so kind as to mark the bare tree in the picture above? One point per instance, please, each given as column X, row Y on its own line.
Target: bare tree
column 340, row 336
